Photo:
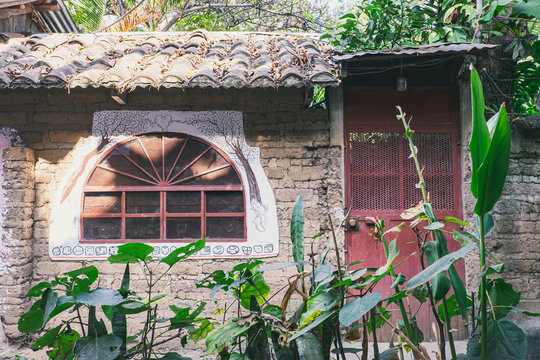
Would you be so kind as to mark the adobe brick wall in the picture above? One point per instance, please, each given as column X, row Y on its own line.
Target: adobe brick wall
column 295, row 152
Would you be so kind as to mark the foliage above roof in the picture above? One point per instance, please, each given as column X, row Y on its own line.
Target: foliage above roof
column 125, row 61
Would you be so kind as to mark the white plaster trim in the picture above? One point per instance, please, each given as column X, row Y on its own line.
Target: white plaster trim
column 222, row 129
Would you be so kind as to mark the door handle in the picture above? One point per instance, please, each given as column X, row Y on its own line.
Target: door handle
column 352, row 225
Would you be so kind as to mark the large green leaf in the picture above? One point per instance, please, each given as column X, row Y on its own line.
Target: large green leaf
column 502, row 297
column 183, row 252
column 316, row 305
column 131, row 252
column 37, row 290
column 311, row 325
column 31, row 320
column 46, row 339
column 492, row 172
column 225, row 335
column 297, row 232
column 309, row 347
column 202, row 331
column 505, row 341
column 91, row 272
column 105, row 347
column 357, row 308
column 62, row 346
column 480, row 139
column 48, row 303
column 441, row 283
column 255, row 286
column 453, row 307
column 100, row 296
column 443, row 264
column 527, row 10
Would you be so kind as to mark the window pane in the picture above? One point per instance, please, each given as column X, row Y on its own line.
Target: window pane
column 102, row 177
column 184, row 202
column 153, row 147
column 142, row 202
column 225, row 228
column 192, row 150
column 142, row 228
column 173, row 145
column 135, row 152
column 224, row 202
column 102, row 203
column 100, row 229
column 183, row 228
column 225, row 176
column 209, row 161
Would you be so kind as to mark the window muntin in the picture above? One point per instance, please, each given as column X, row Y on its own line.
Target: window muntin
column 163, row 188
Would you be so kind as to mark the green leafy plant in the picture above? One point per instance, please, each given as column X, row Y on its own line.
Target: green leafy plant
column 82, row 335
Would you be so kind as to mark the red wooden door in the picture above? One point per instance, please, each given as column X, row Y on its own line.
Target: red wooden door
column 381, row 178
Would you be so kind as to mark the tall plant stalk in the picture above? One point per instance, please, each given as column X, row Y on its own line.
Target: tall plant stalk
column 490, row 156
column 425, row 197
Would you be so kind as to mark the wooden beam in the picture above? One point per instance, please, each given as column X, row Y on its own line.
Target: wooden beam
column 46, row 7
column 7, row 13
column 12, row 3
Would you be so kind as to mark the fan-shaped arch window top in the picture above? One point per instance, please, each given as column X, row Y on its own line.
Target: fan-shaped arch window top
column 157, row 188
column 165, row 178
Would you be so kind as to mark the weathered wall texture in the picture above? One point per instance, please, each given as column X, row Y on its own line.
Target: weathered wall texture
column 16, row 253
column 295, row 153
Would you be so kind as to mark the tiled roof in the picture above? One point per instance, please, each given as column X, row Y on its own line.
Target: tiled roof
column 197, row 59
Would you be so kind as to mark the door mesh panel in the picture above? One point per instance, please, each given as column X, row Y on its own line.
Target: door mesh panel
column 383, row 177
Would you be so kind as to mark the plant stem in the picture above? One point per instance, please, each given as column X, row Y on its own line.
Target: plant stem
column 483, row 292
column 374, row 330
column 448, row 329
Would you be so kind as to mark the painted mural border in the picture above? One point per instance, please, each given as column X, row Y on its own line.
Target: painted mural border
column 222, row 129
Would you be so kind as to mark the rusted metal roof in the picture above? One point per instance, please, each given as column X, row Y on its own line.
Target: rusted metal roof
column 174, row 60
column 422, row 50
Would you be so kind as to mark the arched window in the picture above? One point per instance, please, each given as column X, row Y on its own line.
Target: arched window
column 163, row 188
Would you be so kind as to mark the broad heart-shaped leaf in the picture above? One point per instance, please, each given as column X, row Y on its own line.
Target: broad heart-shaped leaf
column 309, row 347
column 357, row 308
column 31, row 320
column 183, row 252
column 225, row 336
column 101, row 348
column 131, row 252
column 527, row 10
column 297, row 232
column 492, row 172
column 453, row 307
column 502, row 297
column 443, row 264
column 480, row 138
column 91, row 272
column 100, row 296
column 505, row 341
column 255, row 286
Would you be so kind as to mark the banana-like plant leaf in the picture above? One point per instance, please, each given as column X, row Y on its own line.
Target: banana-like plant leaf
column 119, row 320
column 297, row 232
column 443, row 264
column 306, row 329
column 354, row 310
column 480, row 139
column 441, row 284
column 489, row 225
column 527, row 10
column 491, row 174
column 505, row 341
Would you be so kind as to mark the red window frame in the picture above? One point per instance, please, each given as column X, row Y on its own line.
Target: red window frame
column 163, row 184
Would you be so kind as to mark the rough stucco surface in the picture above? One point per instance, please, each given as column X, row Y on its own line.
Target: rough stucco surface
column 295, row 154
